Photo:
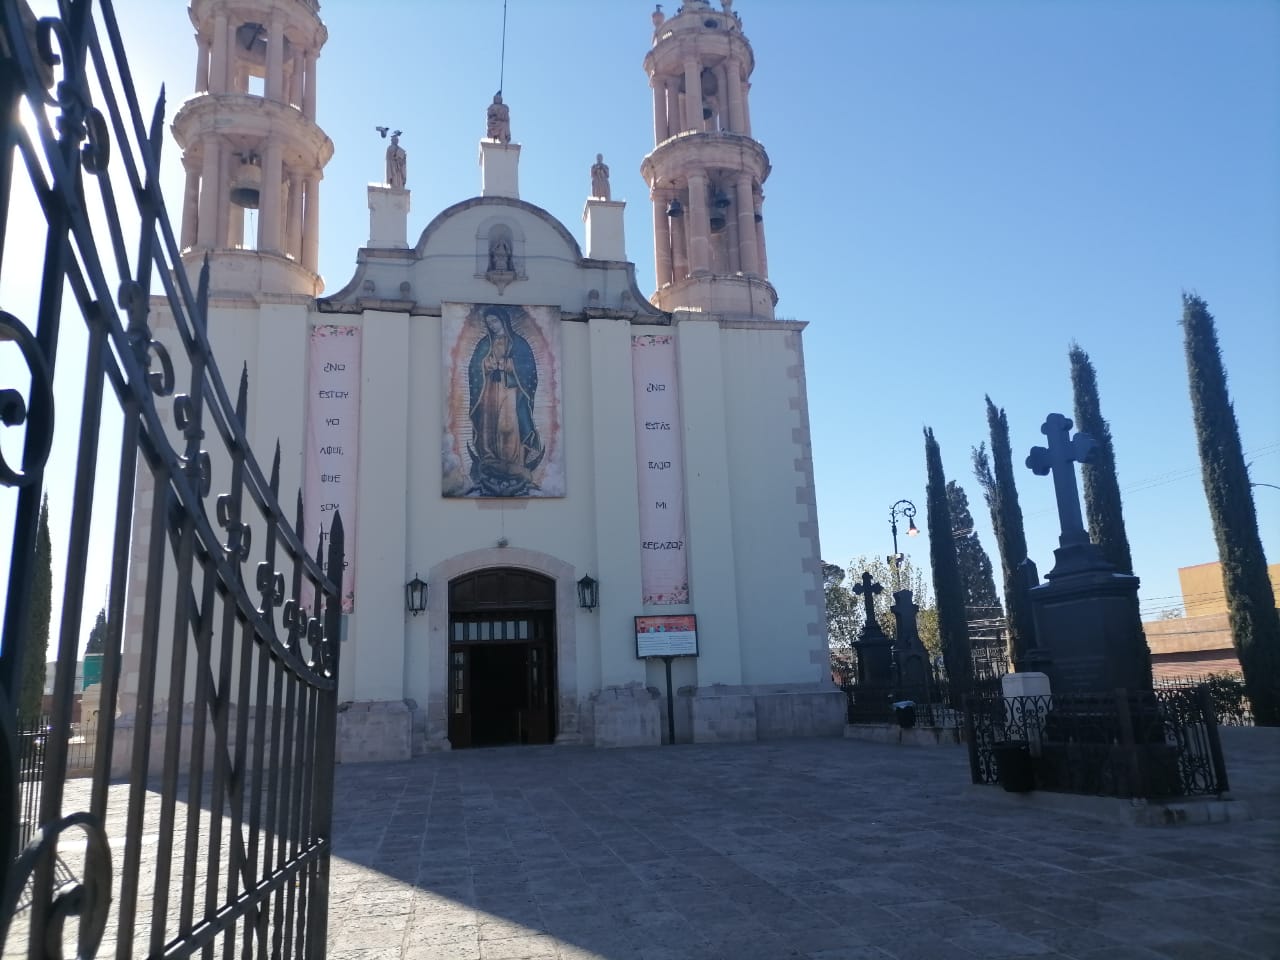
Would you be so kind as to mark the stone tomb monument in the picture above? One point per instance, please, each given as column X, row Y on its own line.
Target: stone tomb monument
column 912, row 676
column 875, row 650
column 1087, row 613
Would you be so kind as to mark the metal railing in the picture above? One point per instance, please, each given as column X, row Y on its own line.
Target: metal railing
column 234, row 624
column 1231, row 704
column 1150, row 744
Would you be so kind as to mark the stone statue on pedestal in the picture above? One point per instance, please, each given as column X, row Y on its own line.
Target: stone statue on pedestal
column 498, row 120
column 600, row 179
column 397, row 163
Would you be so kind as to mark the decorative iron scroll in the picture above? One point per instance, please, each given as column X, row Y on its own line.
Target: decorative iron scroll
column 230, row 746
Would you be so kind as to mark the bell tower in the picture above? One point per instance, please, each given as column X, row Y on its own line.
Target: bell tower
column 253, row 154
column 705, row 172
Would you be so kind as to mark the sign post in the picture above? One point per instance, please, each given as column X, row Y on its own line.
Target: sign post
column 665, row 638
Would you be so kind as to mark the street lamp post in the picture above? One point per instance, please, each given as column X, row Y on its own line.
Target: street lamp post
column 903, row 508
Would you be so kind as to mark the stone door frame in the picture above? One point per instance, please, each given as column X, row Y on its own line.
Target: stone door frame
column 566, row 613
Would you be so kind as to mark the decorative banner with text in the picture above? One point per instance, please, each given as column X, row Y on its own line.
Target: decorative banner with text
column 664, row 573
column 332, row 444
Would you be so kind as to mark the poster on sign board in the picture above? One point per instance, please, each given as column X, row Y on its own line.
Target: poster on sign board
column 667, row 636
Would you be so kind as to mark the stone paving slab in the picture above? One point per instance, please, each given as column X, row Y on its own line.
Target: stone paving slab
column 816, row 849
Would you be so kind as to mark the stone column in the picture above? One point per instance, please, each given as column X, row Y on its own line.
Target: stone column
column 659, row 109
column 269, row 206
column 692, row 94
column 311, row 224
column 207, row 224
column 746, row 107
column 748, row 248
column 293, row 218
column 674, row 108
column 202, row 64
column 295, row 80
column 216, row 81
column 661, row 242
column 235, row 228
column 274, row 87
column 222, row 190
column 733, row 93
column 228, row 77
column 309, row 85
column 722, row 101
column 679, row 247
column 763, row 260
column 731, row 246
column 699, row 241
column 190, row 208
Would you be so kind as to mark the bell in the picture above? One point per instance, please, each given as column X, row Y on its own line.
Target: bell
column 675, row 208
column 246, row 185
column 717, row 223
column 759, row 217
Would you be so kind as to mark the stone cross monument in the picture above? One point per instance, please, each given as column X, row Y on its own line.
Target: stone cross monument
column 1059, row 458
column 1086, row 615
column 875, row 650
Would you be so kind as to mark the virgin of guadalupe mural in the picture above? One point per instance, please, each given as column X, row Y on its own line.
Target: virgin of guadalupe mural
column 502, row 410
column 505, row 447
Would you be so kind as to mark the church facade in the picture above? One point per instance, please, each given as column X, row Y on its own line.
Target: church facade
column 549, row 480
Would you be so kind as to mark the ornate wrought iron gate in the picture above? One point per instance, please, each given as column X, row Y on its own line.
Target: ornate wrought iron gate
column 221, row 830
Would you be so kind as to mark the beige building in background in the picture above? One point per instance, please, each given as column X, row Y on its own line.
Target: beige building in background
column 1200, row 641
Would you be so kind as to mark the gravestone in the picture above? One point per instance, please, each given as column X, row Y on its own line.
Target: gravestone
column 911, row 659
column 875, row 650
column 1086, row 613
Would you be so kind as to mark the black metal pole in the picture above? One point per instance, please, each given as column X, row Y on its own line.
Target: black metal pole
column 671, row 706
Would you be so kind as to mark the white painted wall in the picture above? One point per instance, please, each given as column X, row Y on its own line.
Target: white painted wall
column 748, row 489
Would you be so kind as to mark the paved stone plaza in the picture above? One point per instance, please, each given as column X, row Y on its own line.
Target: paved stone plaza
column 820, row 849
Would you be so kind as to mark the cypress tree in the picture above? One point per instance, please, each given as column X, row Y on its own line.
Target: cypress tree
column 948, row 590
column 1103, row 505
column 31, row 697
column 1102, row 502
column 98, row 635
column 1251, row 605
column 995, row 475
column 980, row 600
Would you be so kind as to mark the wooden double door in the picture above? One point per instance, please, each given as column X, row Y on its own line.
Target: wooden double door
column 501, row 660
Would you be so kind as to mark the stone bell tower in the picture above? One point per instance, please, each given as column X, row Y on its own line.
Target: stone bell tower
column 253, row 153
column 705, row 171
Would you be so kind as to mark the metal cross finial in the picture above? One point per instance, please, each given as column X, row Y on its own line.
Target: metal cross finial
column 868, row 590
column 1064, row 451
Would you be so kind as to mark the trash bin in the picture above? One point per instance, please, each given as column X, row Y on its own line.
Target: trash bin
column 1013, row 765
column 904, row 711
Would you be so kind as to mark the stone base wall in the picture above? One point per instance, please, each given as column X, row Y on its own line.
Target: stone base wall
column 724, row 714
column 629, row 716
column 374, row 731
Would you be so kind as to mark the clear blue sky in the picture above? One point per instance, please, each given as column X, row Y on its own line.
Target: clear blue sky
column 959, row 190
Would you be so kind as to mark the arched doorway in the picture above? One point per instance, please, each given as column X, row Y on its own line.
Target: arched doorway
column 502, row 658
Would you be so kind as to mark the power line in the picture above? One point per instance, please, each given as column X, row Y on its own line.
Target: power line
column 502, row 57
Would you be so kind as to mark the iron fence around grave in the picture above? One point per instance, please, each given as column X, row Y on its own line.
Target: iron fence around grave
column 931, row 705
column 1146, row 744
column 1231, row 704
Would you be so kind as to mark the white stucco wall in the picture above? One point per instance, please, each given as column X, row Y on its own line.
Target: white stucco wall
column 750, row 520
